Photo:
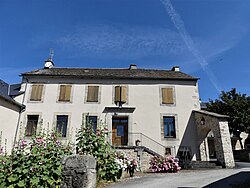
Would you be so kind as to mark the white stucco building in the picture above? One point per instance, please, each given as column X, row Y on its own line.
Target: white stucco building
column 10, row 112
column 150, row 108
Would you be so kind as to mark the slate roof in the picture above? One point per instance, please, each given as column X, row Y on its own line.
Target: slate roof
column 211, row 113
column 112, row 73
column 15, row 90
column 4, row 87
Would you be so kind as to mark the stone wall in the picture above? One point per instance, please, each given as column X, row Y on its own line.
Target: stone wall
column 78, row 171
column 222, row 140
column 138, row 153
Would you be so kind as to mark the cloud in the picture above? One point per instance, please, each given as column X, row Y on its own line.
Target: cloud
column 179, row 24
column 194, row 49
column 123, row 41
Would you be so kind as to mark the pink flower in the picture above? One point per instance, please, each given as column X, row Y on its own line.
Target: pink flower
column 23, row 144
column 39, row 140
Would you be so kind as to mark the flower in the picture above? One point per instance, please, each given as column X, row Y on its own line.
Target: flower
column 161, row 164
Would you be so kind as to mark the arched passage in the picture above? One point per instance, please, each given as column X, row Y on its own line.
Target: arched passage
column 207, row 122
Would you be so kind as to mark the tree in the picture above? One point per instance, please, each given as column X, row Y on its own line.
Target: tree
column 237, row 107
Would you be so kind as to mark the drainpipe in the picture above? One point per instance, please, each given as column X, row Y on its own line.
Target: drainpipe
column 21, row 111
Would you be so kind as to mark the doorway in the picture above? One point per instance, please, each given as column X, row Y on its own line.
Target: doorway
column 120, row 131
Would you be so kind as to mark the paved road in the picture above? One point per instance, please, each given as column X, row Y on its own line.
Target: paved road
column 217, row 178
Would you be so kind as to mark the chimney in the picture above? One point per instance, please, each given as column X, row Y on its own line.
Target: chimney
column 132, row 66
column 176, row 69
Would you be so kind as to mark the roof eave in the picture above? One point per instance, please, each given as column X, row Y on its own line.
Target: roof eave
column 111, row 77
column 21, row 106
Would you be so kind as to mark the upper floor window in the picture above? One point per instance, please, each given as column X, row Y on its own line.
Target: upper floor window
column 36, row 92
column 169, row 127
column 92, row 122
column 120, row 95
column 93, row 94
column 31, row 125
column 65, row 93
column 167, row 95
column 62, row 124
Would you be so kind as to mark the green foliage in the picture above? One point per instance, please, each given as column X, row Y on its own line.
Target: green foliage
column 36, row 163
column 93, row 143
column 237, row 107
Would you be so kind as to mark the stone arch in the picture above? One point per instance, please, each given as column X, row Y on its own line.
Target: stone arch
column 207, row 122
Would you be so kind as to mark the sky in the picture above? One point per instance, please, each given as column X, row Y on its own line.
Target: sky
column 208, row 39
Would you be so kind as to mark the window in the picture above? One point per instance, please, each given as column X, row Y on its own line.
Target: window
column 65, row 91
column 31, row 125
column 36, row 93
column 120, row 95
column 169, row 127
column 167, row 95
column 92, row 121
column 92, row 95
column 61, row 124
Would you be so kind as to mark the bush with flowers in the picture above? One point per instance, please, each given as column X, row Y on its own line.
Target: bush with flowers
column 164, row 164
column 126, row 163
column 91, row 142
column 36, row 163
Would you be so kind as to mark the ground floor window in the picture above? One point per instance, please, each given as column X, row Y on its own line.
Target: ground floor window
column 169, row 127
column 31, row 125
column 62, row 124
column 92, row 121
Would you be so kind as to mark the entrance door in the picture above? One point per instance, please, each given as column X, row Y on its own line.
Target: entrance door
column 120, row 131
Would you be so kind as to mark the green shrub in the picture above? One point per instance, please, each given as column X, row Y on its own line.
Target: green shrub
column 89, row 142
column 36, row 163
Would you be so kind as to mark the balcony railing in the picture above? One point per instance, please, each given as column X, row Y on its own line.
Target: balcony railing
column 140, row 139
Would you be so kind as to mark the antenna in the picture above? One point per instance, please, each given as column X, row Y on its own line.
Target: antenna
column 51, row 54
column 49, row 63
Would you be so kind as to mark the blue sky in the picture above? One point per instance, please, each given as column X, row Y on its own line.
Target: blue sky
column 209, row 39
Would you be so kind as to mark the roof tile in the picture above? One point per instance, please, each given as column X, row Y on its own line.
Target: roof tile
column 111, row 73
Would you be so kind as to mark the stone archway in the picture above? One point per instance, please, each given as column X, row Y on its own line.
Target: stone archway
column 217, row 123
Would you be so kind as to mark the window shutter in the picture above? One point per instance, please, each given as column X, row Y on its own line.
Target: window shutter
column 62, row 92
column 124, row 94
column 120, row 94
column 36, row 93
column 65, row 91
column 92, row 95
column 167, row 96
column 117, row 94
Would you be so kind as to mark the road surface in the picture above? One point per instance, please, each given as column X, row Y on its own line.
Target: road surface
column 238, row 177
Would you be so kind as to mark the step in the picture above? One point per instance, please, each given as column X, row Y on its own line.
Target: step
column 203, row 164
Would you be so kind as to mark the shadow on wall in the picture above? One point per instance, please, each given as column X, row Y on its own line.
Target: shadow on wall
column 188, row 145
column 238, row 180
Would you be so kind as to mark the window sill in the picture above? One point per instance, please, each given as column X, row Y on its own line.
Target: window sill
column 29, row 101
column 170, row 105
column 64, row 101
column 170, row 138
column 88, row 102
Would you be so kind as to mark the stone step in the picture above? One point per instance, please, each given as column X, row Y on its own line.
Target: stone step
column 203, row 164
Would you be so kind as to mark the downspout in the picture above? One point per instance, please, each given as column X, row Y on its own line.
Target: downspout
column 20, row 112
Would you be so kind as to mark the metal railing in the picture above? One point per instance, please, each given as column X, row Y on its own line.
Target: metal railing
column 140, row 139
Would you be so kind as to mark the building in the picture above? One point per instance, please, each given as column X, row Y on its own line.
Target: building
column 10, row 111
column 158, row 110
